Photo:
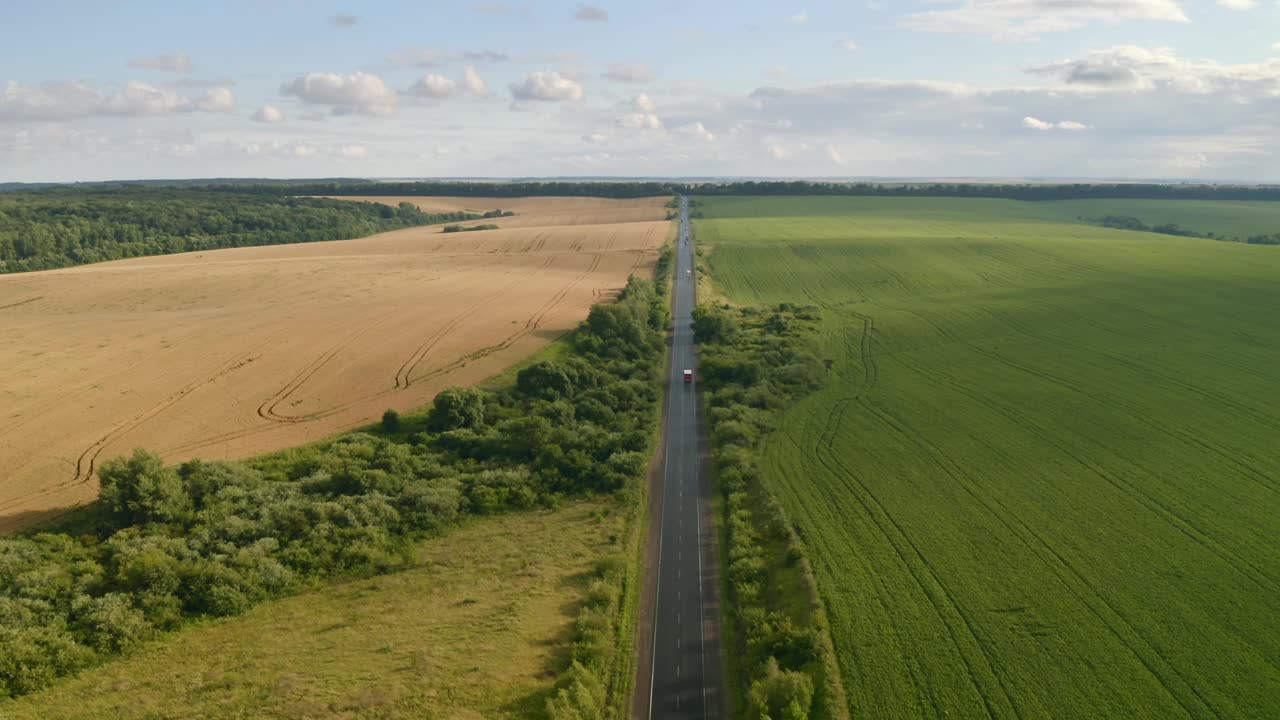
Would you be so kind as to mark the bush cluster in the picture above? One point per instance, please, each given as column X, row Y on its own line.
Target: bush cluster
column 755, row 362
column 1126, row 222
column 469, row 228
column 581, row 692
column 214, row 538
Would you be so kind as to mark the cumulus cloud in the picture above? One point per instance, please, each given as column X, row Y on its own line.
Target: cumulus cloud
column 139, row 98
column 546, row 86
column 697, row 131
column 218, row 99
column 590, row 13
column 1239, row 4
column 846, row 45
column 358, row 93
column 435, row 86
column 344, row 21
column 48, row 101
column 69, row 100
column 353, row 151
column 1130, row 67
column 595, row 137
column 175, row 62
column 642, row 103
column 1023, row 19
column 799, row 18
column 629, row 73
column 640, row 121
column 268, row 114
column 1036, row 123
column 473, row 83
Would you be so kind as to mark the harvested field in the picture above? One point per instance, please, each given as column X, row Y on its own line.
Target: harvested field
column 232, row 353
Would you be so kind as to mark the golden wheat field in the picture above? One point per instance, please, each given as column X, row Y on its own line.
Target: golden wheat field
column 231, row 353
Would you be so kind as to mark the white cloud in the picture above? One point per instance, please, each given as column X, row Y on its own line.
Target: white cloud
column 629, row 73
column 696, row 130
column 353, row 151
column 590, row 13
column 834, row 155
column 69, row 100
column 1239, row 4
column 595, row 137
column 799, row 18
column 47, row 101
column 218, row 99
column 642, row 103
column 359, row 93
column 846, row 45
column 175, row 62
column 432, row 85
column 268, row 114
column 473, row 83
column 1038, row 124
column 640, row 121
column 430, row 57
column 344, row 21
column 139, row 98
column 1129, row 67
column 496, row 8
column 1023, row 19
column 546, row 86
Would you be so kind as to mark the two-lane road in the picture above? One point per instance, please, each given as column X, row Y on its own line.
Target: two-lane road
column 685, row 673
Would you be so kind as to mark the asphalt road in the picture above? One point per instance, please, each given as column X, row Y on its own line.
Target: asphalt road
column 686, row 654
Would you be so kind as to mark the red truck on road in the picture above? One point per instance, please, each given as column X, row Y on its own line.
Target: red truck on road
column 688, row 376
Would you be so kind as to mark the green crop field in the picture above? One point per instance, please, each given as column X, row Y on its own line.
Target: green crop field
column 1043, row 477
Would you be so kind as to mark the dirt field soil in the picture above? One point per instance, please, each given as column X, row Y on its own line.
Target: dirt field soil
column 232, row 353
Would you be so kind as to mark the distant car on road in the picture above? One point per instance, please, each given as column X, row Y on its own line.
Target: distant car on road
column 688, row 376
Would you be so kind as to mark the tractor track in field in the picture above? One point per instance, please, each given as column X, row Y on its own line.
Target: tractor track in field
column 826, row 455
column 1009, row 519
column 1160, row 508
column 86, row 463
column 1260, row 477
column 404, row 378
column 941, row 598
column 21, row 302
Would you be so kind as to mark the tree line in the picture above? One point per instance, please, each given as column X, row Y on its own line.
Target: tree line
column 164, row 545
column 61, row 227
column 1126, row 222
column 757, row 361
column 635, row 189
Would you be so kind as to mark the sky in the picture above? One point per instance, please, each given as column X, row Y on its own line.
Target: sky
column 115, row 89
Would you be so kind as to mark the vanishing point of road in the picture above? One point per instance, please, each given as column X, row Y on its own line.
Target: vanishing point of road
column 685, row 668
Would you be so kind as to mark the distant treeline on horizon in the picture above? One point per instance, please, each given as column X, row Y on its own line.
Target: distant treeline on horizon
column 649, row 188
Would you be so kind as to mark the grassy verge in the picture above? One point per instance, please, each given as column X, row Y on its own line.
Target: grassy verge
column 477, row 625
column 755, row 363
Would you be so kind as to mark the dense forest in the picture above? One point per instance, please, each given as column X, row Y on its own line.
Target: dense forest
column 60, row 227
column 205, row 539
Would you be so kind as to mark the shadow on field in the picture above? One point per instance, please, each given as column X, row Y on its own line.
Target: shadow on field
column 71, row 519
